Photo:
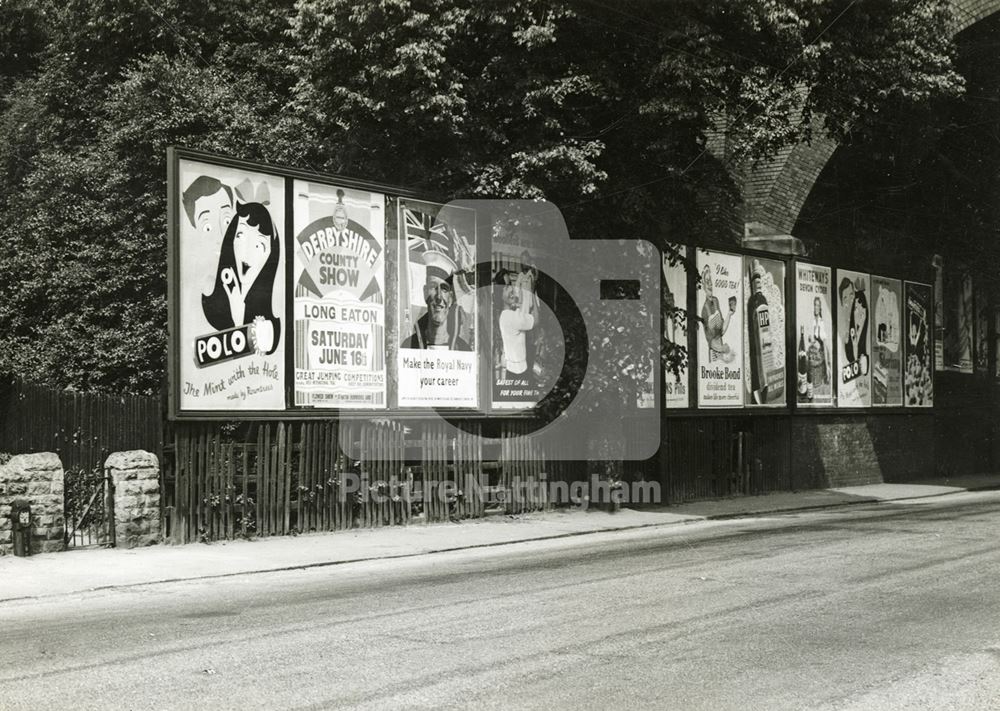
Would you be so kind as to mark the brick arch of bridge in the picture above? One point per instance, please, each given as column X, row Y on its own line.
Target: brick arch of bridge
column 776, row 191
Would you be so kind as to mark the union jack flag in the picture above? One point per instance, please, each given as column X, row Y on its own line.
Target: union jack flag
column 423, row 233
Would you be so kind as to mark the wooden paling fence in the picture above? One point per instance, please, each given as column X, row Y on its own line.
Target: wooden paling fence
column 77, row 426
column 266, row 479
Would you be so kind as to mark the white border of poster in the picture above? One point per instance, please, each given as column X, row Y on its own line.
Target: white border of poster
column 920, row 328
column 720, row 330
column 854, row 388
column 676, row 387
column 230, row 288
column 887, row 342
column 437, row 255
column 767, row 351
column 339, row 297
column 812, row 282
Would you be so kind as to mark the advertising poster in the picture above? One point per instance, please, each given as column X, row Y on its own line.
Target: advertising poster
column 958, row 320
column 527, row 338
column 764, row 332
column 720, row 342
column 887, row 365
column 939, row 314
column 996, row 343
column 339, row 299
column 814, row 328
column 853, row 339
column 918, row 374
column 437, row 294
column 982, row 350
column 675, row 384
column 231, row 300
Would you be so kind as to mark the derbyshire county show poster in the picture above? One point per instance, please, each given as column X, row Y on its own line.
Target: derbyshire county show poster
column 675, row 384
column 853, row 339
column 887, row 360
column 339, row 301
column 438, row 355
column 231, row 296
column 918, row 371
column 720, row 339
column 813, row 336
column 764, row 331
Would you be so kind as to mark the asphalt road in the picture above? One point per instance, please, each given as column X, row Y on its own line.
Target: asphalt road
column 883, row 607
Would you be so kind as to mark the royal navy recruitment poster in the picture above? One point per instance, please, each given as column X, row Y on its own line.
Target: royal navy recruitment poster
column 231, row 296
column 887, row 361
column 720, row 339
column 437, row 358
column 853, row 339
column 764, row 333
column 339, row 301
column 814, row 376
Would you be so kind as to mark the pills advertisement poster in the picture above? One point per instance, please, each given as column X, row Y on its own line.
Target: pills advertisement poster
column 231, row 301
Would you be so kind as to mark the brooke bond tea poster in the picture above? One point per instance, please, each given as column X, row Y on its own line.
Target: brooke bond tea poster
column 720, row 330
column 231, row 296
column 339, row 300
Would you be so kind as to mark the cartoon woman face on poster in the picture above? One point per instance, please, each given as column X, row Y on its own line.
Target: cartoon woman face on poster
column 244, row 279
column 855, row 363
column 230, row 289
column 716, row 322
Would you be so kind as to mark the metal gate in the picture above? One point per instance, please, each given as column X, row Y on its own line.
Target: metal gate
column 90, row 508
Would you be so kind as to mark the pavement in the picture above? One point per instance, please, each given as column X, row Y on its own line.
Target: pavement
column 79, row 571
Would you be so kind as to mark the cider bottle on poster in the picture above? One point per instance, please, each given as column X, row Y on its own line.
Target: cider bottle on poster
column 761, row 344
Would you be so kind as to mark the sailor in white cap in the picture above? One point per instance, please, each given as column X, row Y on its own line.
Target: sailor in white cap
column 438, row 328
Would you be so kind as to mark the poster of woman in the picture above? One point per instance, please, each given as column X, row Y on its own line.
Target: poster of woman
column 887, row 381
column 231, row 295
column 813, row 336
column 720, row 341
column 853, row 339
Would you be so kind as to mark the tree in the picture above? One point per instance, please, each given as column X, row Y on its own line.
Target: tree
column 604, row 109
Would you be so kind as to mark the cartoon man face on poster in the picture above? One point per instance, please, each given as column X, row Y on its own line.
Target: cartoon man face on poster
column 231, row 289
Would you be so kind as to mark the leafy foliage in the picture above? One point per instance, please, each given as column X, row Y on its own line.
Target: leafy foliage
column 605, row 109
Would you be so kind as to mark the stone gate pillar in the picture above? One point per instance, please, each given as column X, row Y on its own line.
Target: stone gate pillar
column 136, row 475
column 38, row 480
